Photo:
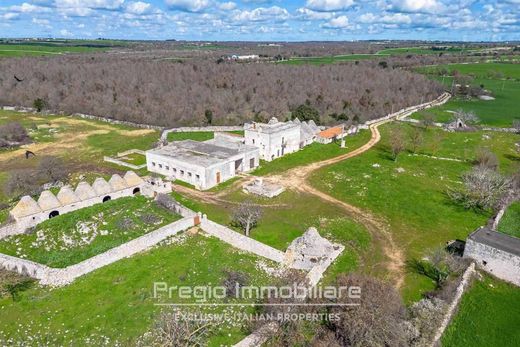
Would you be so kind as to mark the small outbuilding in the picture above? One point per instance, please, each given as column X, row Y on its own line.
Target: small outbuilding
column 496, row 253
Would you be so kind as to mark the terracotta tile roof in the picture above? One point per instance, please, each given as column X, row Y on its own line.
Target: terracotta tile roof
column 331, row 132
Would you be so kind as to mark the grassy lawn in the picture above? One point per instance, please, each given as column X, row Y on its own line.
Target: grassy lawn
column 80, row 143
column 19, row 50
column 288, row 216
column 419, row 50
column 312, row 153
column 330, row 59
column 412, row 199
column 194, row 135
column 115, row 305
column 488, row 315
column 503, row 80
column 134, row 158
column 73, row 237
column 510, row 222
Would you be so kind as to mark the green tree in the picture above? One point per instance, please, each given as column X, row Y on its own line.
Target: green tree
column 209, row 116
column 39, row 104
column 305, row 113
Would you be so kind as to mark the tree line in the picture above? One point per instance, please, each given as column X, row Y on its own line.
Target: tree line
column 173, row 93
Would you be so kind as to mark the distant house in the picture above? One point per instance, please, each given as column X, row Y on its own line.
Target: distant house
column 496, row 253
column 244, row 57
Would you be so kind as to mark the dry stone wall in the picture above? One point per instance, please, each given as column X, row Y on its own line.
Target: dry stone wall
column 240, row 241
column 61, row 277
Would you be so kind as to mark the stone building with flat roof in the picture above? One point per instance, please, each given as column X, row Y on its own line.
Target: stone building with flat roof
column 203, row 164
column 496, row 253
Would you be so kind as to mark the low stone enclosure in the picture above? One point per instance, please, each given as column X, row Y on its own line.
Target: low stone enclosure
column 309, row 252
column 120, row 159
column 29, row 213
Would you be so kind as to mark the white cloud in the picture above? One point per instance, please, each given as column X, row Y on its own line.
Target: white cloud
column 227, row 6
column 340, row 22
column 43, row 22
column 10, row 16
column 96, row 4
column 261, row 14
column 189, row 5
column 138, row 7
column 395, row 18
column 328, row 5
column 305, row 13
column 430, row 6
column 29, row 8
column 65, row 33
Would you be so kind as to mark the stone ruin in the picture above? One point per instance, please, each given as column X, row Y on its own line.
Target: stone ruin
column 308, row 250
column 263, row 188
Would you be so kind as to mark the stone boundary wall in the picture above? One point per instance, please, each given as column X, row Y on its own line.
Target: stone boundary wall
column 60, row 277
column 22, row 109
column 9, row 230
column 405, row 112
column 499, row 216
column 123, row 163
column 131, row 151
column 241, row 241
column 315, row 274
column 463, row 285
column 209, row 128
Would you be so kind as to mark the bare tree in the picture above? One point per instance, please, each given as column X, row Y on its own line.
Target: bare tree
column 397, row 143
column 468, row 117
column 416, row 138
column 247, row 215
column 483, row 189
column 51, row 169
column 486, row 158
column 428, row 120
column 377, row 321
column 173, row 331
column 22, row 182
column 13, row 134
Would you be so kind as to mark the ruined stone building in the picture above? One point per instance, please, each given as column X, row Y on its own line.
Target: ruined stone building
column 496, row 253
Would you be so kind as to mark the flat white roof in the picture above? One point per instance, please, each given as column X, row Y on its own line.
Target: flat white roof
column 204, row 154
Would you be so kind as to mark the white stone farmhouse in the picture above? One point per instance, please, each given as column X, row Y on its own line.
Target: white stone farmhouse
column 203, row 164
column 275, row 139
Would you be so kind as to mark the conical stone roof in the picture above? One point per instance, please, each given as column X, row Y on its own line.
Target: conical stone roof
column 101, row 186
column 117, row 182
column 84, row 191
column 47, row 201
column 67, row 196
column 25, row 207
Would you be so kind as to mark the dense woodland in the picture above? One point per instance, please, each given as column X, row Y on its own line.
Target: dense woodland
column 172, row 93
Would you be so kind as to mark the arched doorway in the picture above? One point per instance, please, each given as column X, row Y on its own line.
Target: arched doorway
column 136, row 190
column 54, row 214
column 107, row 198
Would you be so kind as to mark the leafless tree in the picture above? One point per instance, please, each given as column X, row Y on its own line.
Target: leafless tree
column 168, row 93
column 247, row 215
column 22, row 182
column 172, row 330
column 428, row 120
column 13, row 134
column 377, row 321
column 416, row 138
column 51, row 169
column 468, row 117
column 482, row 189
column 486, row 158
column 397, row 142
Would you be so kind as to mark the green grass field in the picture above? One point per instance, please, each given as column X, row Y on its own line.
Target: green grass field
column 510, row 222
column 115, row 305
column 419, row 50
column 20, row 50
column 503, row 80
column 330, row 59
column 414, row 202
column 312, row 153
column 73, row 237
column 194, row 135
column 488, row 315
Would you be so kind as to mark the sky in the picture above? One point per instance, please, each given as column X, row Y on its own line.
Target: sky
column 263, row 20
